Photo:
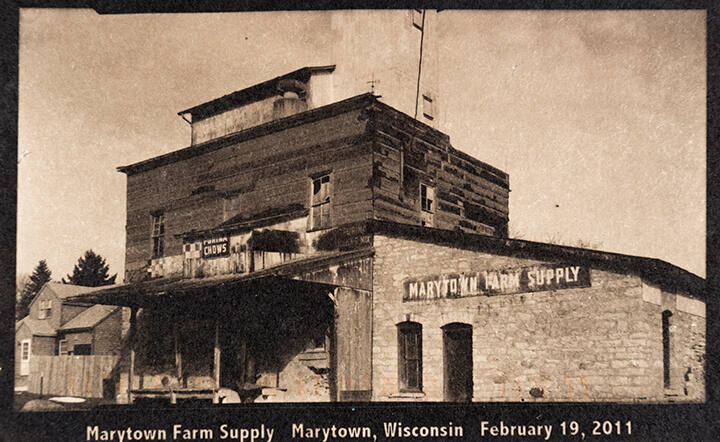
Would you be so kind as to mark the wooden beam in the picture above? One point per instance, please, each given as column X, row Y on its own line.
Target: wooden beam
column 216, row 362
column 131, row 372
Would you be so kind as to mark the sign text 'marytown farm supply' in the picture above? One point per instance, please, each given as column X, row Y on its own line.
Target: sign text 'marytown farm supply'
column 496, row 282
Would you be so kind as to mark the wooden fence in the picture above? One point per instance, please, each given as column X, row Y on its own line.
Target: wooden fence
column 72, row 375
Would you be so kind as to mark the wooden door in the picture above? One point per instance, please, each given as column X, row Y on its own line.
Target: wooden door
column 458, row 370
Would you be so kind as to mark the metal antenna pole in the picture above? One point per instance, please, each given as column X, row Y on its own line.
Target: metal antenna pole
column 422, row 35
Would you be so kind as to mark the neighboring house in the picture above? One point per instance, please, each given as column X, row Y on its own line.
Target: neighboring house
column 95, row 331
column 58, row 326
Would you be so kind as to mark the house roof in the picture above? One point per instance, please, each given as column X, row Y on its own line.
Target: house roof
column 653, row 270
column 64, row 291
column 37, row 327
column 89, row 318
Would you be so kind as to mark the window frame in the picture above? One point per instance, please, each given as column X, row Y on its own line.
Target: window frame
column 323, row 202
column 62, row 352
column 430, row 207
column 157, row 234
column 406, row 363
column 25, row 350
column 45, row 309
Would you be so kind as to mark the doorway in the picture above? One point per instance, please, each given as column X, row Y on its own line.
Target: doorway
column 458, row 370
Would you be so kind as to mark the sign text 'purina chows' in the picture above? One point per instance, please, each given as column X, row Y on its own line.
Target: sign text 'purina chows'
column 215, row 246
column 496, row 282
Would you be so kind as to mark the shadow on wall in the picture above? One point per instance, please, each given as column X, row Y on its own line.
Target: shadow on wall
column 260, row 333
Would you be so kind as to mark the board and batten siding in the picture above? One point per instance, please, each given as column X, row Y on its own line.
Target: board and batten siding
column 269, row 171
column 470, row 196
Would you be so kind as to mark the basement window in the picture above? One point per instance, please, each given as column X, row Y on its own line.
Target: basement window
column 410, row 356
column 320, row 202
column 158, row 234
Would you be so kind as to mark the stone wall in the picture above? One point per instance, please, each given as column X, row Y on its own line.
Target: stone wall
column 686, row 343
column 597, row 343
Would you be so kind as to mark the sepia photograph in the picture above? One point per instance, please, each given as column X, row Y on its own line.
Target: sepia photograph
column 366, row 206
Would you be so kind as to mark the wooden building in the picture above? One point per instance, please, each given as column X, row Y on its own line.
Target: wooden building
column 57, row 326
column 301, row 252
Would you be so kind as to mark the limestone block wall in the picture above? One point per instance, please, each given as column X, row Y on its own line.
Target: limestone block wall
column 597, row 343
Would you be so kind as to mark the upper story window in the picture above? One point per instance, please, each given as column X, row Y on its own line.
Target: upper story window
column 427, row 198
column 320, row 202
column 410, row 356
column 158, row 234
column 45, row 310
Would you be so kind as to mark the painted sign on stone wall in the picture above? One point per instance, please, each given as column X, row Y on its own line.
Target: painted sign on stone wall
column 496, row 282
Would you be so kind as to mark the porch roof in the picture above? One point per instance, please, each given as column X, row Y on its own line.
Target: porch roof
column 152, row 292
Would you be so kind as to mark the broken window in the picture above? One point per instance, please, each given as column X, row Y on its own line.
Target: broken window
column 427, row 197
column 158, row 234
column 410, row 356
column 320, row 202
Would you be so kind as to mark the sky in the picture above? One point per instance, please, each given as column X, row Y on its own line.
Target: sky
column 597, row 116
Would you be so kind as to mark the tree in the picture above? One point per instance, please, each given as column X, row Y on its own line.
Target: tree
column 90, row 271
column 40, row 276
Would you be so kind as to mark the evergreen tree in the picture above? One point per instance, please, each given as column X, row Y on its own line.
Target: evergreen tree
column 90, row 271
column 39, row 277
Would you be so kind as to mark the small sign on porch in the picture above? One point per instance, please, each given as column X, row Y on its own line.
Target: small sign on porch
column 215, row 246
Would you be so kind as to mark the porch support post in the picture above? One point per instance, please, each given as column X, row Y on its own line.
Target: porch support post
column 132, row 339
column 216, row 361
column 178, row 355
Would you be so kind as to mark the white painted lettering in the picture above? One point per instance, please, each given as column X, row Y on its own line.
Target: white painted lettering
column 413, row 290
column 575, row 271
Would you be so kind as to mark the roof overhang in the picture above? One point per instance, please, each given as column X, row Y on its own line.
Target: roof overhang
column 165, row 291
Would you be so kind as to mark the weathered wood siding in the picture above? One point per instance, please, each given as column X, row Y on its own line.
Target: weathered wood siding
column 70, row 375
column 470, row 195
column 354, row 343
column 257, row 174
